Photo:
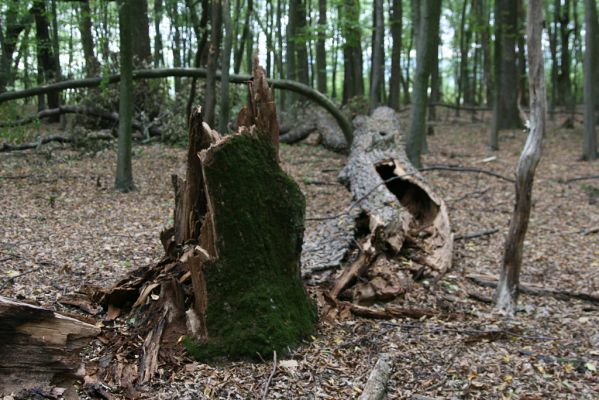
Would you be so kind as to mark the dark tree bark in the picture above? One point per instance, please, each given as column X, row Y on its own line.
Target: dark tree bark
column 377, row 75
column 301, row 63
column 15, row 25
column 321, row 54
column 589, row 146
column 124, row 175
column 224, row 100
column 213, row 53
column 505, row 109
column 174, row 17
column 158, row 59
column 47, row 68
column 521, row 59
column 245, row 36
column 92, row 65
column 426, row 46
column 201, row 32
column 506, row 296
column 140, row 31
column 353, row 79
column 396, row 25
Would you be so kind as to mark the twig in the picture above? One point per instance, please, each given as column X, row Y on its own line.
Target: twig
column 473, row 235
column 581, row 178
column 12, row 278
column 441, row 167
column 272, row 373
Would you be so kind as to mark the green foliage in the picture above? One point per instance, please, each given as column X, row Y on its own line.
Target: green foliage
column 256, row 300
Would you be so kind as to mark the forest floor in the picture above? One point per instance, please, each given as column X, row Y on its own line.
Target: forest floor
column 63, row 226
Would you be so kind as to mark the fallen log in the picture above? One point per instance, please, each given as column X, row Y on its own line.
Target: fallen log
column 39, row 347
column 238, row 229
column 68, row 109
column 157, row 73
column 532, row 290
column 400, row 226
column 33, row 145
column 313, row 119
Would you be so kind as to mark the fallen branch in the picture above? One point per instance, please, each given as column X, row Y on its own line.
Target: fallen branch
column 156, row 73
column 272, row 374
column 5, row 147
column 491, row 282
column 376, row 386
column 389, row 311
column 473, row 235
column 440, row 167
column 581, row 178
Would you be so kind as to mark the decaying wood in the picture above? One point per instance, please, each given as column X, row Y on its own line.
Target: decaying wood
column 39, row 346
column 235, row 199
column 402, row 226
column 473, row 235
column 376, row 386
column 533, row 290
column 310, row 119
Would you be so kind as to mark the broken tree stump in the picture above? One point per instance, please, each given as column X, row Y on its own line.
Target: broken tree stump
column 400, row 225
column 232, row 257
column 39, row 347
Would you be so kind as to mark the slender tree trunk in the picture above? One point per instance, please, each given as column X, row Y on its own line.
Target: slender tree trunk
column 522, row 91
column 47, row 71
column 245, row 35
column 158, row 59
column 224, row 100
column 435, row 95
column 353, row 82
column 92, row 65
column 505, row 110
column 552, row 30
column 506, row 296
column 463, row 58
column 486, row 49
column 291, row 57
column 213, row 53
column 321, row 54
column 376, row 82
column 589, row 146
column 301, row 62
column 279, row 35
column 396, row 25
column 335, row 62
column 201, row 32
column 124, row 175
column 426, row 46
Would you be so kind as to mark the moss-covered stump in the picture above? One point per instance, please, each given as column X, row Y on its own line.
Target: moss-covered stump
column 255, row 300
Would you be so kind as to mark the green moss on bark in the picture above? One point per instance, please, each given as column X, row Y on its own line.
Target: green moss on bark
column 256, row 299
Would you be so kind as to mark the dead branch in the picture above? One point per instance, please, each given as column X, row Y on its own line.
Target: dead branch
column 5, row 147
column 272, row 374
column 491, row 282
column 473, row 235
column 457, row 168
column 581, row 178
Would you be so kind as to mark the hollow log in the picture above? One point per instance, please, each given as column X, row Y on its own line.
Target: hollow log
column 401, row 226
column 233, row 255
column 39, row 347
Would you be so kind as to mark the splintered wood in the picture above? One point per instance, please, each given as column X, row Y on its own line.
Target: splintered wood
column 400, row 226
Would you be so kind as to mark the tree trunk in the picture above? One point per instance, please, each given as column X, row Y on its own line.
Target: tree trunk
column 301, row 61
column 589, row 146
column 378, row 67
column 426, row 46
column 224, row 100
column 92, row 65
column 213, row 53
column 14, row 27
column 245, row 35
column 505, row 110
column 158, row 59
column 47, row 68
column 202, row 40
column 396, row 25
column 506, row 296
column 124, row 175
column 39, row 347
column 174, row 17
column 140, row 31
column 353, row 80
column 321, row 54
column 220, row 239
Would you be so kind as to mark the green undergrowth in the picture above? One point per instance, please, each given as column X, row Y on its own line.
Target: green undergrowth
column 256, row 300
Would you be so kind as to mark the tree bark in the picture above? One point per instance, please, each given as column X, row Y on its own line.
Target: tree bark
column 427, row 39
column 140, row 30
column 224, row 100
column 124, row 175
column 378, row 67
column 158, row 58
column 505, row 112
column 321, row 55
column 506, row 296
column 213, row 54
column 589, row 146
column 14, row 27
column 396, row 25
column 39, row 347
column 92, row 65
column 47, row 68
column 353, row 80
